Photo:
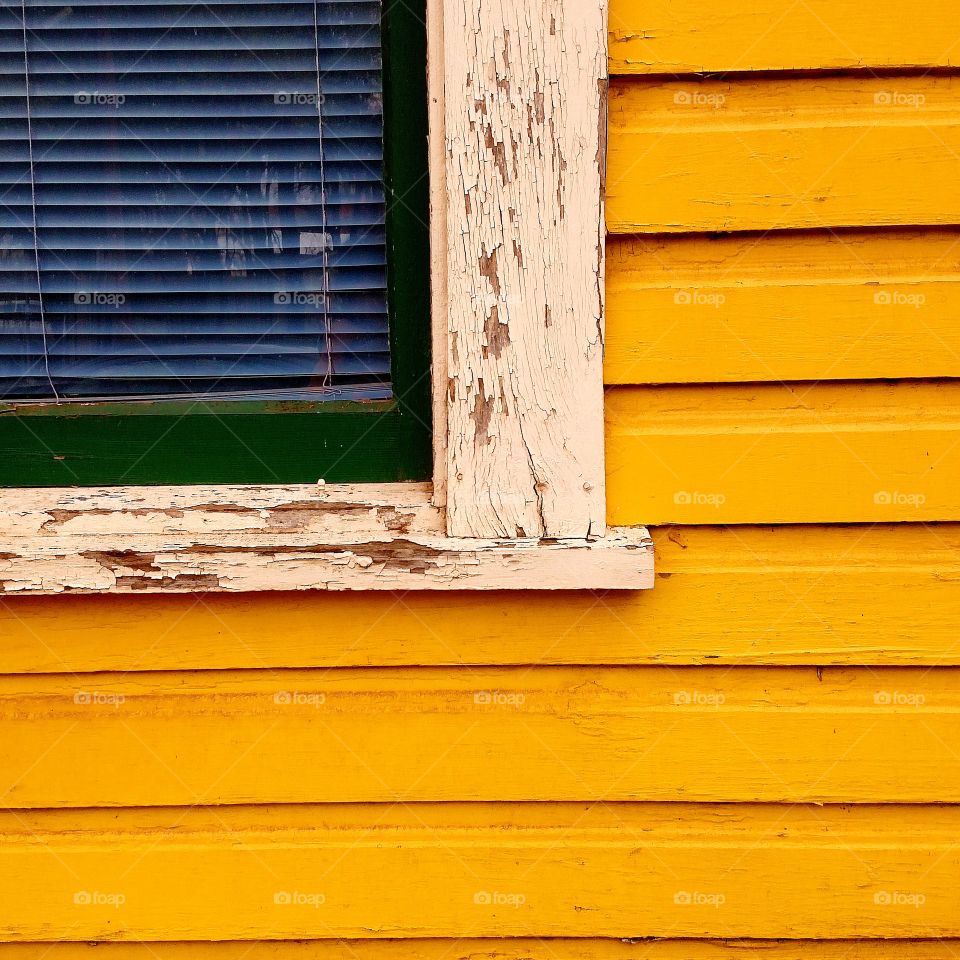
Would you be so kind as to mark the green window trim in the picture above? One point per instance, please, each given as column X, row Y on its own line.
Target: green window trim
column 262, row 442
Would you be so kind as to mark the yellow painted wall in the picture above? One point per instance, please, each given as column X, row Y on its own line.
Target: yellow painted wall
column 763, row 754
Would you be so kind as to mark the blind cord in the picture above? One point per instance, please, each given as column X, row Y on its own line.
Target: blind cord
column 325, row 239
column 33, row 204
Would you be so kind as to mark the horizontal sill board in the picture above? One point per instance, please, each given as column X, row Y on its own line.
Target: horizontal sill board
column 763, row 154
column 805, row 594
column 871, row 452
column 799, row 734
column 295, row 537
column 701, row 36
column 468, row 870
column 785, row 306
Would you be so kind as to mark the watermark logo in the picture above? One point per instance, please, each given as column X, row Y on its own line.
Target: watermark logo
column 685, row 898
column 97, row 698
column 498, row 698
column 297, row 898
column 94, row 99
column 302, row 299
column 698, row 498
column 898, row 98
column 99, row 299
column 294, row 698
column 97, row 898
column 898, row 298
column 897, row 498
column 697, row 298
column 898, row 698
column 698, row 698
column 287, row 99
column 898, row 898
column 495, row 898
column 697, row 98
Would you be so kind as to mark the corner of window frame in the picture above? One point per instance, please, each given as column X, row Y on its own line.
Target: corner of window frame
column 517, row 141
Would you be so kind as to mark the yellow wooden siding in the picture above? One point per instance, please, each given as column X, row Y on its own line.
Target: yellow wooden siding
column 277, row 729
column 825, row 305
column 473, row 733
column 693, row 36
column 784, row 453
column 876, row 594
column 775, row 153
column 516, row 948
column 452, row 870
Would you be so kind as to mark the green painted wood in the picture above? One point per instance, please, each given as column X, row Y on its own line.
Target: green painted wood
column 183, row 442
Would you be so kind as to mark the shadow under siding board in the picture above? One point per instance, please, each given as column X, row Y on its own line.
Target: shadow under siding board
column 469, row 870
column 693, row 36
column 822, row 305
column 784, row 453
column 518, row 948
column 777, row 153
column 806, row 594
column 796, row 734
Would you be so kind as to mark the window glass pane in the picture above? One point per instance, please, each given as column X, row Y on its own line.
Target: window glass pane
column 192, row 200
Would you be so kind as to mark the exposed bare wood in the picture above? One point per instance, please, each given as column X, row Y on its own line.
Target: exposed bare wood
column 336, row 537
column 381, row 510
column 525, row 113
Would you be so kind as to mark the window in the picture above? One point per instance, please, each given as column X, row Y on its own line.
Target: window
column 516, row 98
column 213, row 242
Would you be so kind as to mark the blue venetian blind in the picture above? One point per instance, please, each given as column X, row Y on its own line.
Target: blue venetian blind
column 191, row 200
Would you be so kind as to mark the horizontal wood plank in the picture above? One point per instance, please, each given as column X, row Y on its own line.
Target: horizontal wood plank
column 692, row 36
column 784, row 453
column 326, row 537
column 618, row 870
column 878, row 594
column 514, row 948
column 469, row 733
column 764, row 154
column 783, row 306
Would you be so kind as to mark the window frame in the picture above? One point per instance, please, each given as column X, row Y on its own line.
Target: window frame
column 494, row 517
column 206, row 441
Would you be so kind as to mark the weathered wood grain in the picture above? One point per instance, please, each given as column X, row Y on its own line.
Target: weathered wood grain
column 336, row 537
column 797, row 734
column 525, row 90
column 784, row 453
column 345, row 870
column 783, row 306
column 807, row 594
column 340, row 510
column 692, row 36
column 763, row 154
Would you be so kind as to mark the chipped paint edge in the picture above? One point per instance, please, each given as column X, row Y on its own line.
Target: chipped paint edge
column 524, row 125
column 297, row 537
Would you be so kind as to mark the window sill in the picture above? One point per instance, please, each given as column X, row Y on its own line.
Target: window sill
column 296, row 537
